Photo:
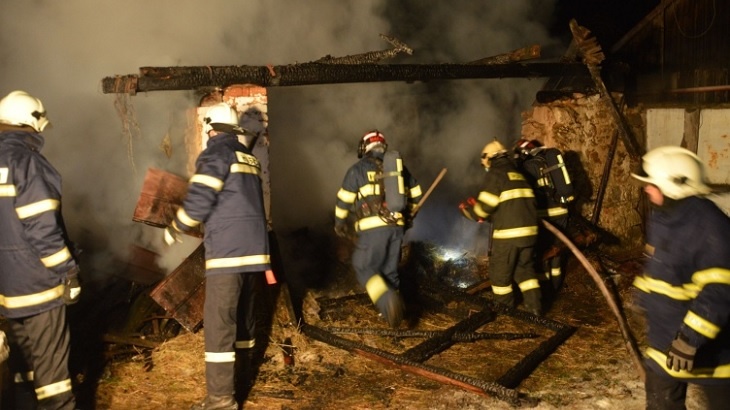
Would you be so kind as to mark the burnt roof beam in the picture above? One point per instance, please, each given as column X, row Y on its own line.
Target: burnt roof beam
column 192, row 78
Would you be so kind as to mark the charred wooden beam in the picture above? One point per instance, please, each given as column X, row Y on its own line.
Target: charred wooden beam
column 372, row 56
column 521, row 54
column 592, row 56
column 191, row 78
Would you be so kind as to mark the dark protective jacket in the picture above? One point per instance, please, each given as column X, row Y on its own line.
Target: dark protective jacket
column 546, row 188
column 226, row 195
column 508, row 200
column 362, row 192
column 686, row 287
column 35, row 253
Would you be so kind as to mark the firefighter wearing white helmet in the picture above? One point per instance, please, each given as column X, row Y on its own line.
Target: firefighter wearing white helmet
column 225, row 194
column 676, row 171
column 40, row 274
column 684, row 291
column 507, row 200
column 21, row 109
column 380, row 225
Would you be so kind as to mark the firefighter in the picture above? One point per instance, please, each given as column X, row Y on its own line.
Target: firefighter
column 39, row 274
column 225, row 194
column 380, row 229
column 546, row 172
column 685, row 289
column 508, row 201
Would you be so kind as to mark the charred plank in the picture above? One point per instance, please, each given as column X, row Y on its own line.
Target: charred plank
column 191, row 78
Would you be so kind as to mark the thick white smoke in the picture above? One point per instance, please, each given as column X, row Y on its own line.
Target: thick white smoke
column 60, row 52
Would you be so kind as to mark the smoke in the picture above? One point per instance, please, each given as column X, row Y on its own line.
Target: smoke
column 60, row 52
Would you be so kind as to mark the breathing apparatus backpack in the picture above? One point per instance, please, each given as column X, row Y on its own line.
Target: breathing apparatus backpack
column 389, row 178
column 554, row 175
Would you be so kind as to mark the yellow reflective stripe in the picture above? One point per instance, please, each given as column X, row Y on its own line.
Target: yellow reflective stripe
column 346, row 196
column 488, row 198
column 720, row 372
column 529, row 285
column 501, row 290
column 36, row 208
column 515, row 176
column 245, row 344
column 53, row 389
column 7, row 190
column 376, row 287
column 244, row 169
column 648, row 285
column 701, row 325
column 515, row 232
column 57, row 258
column 341, row 213
column 401, row 181
column 15, row 302
column 543, row 182
column 370, row 189
column 237, row 261
column 516, row 194
column 23, row 377
column 557, row 211
column 415, row 192
column 479, row 210
column 566, row 176
column 374, row 222
column 555, row 272
column 185, row 218
column 220, row 357
column 208, row 181
column 712, row 275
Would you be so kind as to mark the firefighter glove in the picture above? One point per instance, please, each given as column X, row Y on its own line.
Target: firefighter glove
column 71, row 287
column 467, row 209
column 681, row 354
column 341, row 229
column 171, row 236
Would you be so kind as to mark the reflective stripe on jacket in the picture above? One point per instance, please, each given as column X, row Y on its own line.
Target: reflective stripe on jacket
column 360, row 183
column 509, row 201
column 226, row 195
column 686, row 286
column 34, row 250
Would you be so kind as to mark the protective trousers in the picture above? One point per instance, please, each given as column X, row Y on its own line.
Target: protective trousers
column 552, row 267
column 222, row 295
column 666, row 393
column 378, row 251
column 39, row 353
column 509, row 262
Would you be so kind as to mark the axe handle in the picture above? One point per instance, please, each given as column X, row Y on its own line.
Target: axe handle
column 425, row 196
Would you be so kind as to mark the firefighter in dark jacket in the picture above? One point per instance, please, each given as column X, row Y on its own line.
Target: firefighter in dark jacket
column 380, row 230
column 38, row 272
column 225, row 195
column 685, row 289
column 553, row 190
column 509, row 202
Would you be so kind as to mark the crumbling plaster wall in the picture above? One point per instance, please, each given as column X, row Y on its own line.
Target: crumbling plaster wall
column 583, row 128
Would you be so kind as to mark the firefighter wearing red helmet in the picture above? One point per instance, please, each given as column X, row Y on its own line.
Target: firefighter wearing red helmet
column 507, row 200
column 39, row 274
column 548, row 175
column 381, row 192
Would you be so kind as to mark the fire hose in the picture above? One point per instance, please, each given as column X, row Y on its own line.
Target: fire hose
column 631, row 344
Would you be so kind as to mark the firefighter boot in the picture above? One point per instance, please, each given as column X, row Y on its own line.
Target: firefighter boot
column 391, row 307
column 216, row 403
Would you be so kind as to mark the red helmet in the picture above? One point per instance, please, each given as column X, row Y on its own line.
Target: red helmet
column 371, row 140
column 523, row 147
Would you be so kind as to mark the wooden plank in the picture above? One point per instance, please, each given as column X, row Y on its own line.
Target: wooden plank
column 162, row 193
column 182, row 292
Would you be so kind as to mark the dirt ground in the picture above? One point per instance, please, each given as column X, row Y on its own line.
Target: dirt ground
column 592, row 369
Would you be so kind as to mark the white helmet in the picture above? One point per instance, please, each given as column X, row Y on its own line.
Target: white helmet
column 676, row 171
column 20, row 108
column 491, row 150
column 371, row 140
column 221, row 117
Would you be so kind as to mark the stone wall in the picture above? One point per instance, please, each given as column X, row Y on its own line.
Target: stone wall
column 583, row 128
